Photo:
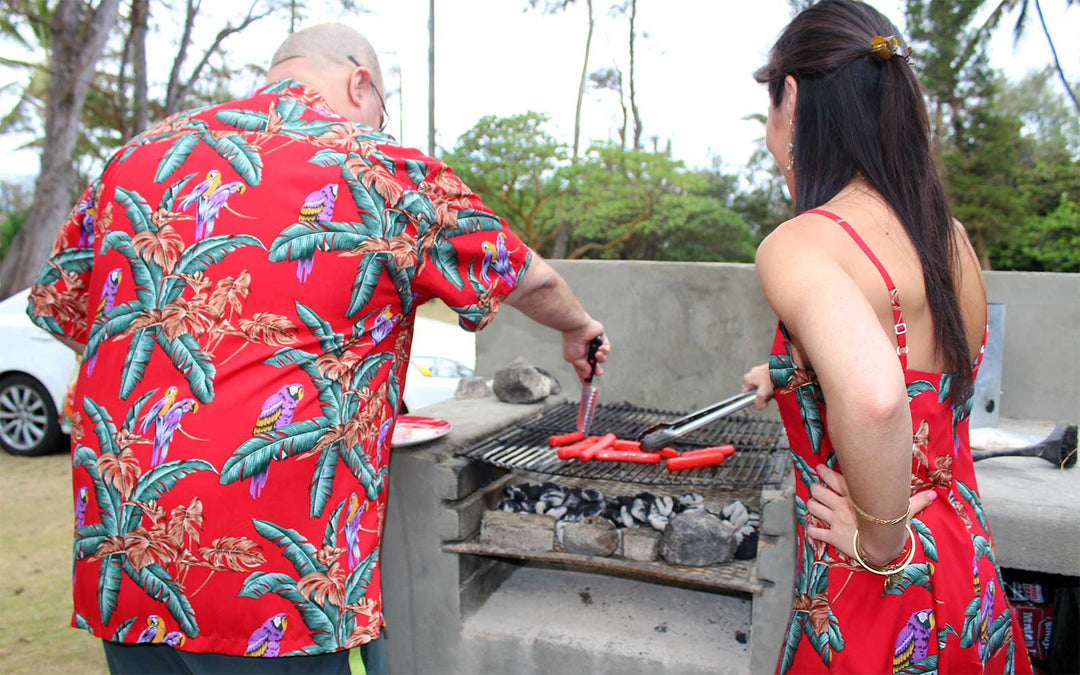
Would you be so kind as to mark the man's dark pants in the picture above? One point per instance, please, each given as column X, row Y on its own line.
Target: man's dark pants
column 151, row 659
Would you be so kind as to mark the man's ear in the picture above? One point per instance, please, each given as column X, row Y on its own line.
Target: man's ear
column 358, row 83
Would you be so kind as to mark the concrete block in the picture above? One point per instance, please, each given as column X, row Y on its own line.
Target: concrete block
column 591, row 536
column 640, row 544
column 697, row 538
column 527, row 532
column 488, row 574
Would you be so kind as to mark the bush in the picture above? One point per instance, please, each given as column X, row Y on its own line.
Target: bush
column 10, row 224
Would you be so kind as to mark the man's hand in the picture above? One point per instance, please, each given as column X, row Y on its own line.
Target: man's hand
column 576, row 348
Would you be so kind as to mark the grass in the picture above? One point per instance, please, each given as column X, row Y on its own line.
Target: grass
column 36, row 520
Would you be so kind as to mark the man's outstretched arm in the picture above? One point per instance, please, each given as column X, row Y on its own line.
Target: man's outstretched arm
column 544, row 296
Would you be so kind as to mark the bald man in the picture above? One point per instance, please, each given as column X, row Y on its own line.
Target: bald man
column 243, row 279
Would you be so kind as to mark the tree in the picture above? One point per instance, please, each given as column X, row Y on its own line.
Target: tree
column 77, row 34
column 510, row 163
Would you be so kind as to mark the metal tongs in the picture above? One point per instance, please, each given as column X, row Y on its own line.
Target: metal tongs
column 663, row 434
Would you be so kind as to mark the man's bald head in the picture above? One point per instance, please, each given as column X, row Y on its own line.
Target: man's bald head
column 319, row 57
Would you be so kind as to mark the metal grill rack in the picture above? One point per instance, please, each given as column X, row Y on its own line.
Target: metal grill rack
column 523, row 446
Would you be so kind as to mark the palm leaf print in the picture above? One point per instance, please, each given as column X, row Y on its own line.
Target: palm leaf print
column 114, row 322
column 972, row 498
column 192, row 362
column 136, row 209
column 320, row 328
column 357, row 583
column 367, row 278
column 139, row 351
column 241, row 156
column 996, row 634
column 122, row 630
column 969, row 631
column 791, row 643
column 175, row 156
column 914, row 575
column 120, row 517
column 470, row 221
column 322, row 480
column 160, row 586
column 416, row 170
column 146, row 283
column 917, row 387
column 294, row 547
column 74, row 260
column 927, row 666
column 321, row 629
column 926, row 537
column 330, row 535
column 255, row 454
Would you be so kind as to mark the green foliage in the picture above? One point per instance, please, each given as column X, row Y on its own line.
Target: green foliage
column 1049, row 243
column 10, row 224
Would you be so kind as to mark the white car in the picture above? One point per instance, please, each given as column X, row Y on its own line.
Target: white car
column 35, row 369
column 442, row 354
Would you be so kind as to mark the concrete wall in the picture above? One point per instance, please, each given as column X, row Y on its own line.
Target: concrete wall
column 684, row 334
column 1041, row 365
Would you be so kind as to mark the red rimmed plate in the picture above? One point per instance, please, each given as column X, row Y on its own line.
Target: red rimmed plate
column 413, row 430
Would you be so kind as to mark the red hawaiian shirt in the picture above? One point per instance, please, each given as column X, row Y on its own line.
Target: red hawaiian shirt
column 245, row 278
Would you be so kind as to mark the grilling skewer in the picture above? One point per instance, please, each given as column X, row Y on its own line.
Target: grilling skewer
column 664, row 434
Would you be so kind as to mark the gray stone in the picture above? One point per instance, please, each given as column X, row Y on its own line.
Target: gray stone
column 591, row 536
column 523, row 383
column 527, row 532
column 640, row 544
column 472, row 387
column 697, row 538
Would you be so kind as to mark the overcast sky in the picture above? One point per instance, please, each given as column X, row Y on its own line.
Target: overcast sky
column 694, row 64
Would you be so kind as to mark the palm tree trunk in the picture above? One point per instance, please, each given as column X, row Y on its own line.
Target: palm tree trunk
column 582, row 82
column 76, row 44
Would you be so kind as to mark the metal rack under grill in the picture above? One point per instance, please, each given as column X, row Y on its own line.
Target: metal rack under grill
column 524, row 446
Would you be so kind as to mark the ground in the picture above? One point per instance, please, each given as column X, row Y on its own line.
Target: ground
column 36, row 519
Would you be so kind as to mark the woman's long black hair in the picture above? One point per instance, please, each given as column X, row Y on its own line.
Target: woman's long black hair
column 860, row 115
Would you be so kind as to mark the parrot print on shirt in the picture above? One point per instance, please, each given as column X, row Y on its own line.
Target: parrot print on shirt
column 497, row 259
column 105, row 305
column 277, row 412
column 154, row 631
column 165, row 416
column 913, row 642
column 266, row 640
column 319, row 206
column 211, row 195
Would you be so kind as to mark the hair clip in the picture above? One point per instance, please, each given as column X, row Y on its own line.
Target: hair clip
column 884, row 48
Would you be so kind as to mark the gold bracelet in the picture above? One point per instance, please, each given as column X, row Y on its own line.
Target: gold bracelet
column 887, row 570
column 875, row 520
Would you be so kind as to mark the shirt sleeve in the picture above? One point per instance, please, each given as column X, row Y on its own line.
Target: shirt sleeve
column 59, row 298
column 467, row 256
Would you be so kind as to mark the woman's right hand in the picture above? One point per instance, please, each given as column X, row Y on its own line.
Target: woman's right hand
column 758, row 379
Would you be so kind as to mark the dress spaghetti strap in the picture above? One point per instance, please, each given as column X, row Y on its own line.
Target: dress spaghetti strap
column 899, row 327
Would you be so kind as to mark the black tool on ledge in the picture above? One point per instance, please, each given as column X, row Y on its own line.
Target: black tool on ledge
column 1058, row 448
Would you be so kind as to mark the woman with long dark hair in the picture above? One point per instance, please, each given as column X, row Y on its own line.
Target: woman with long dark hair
column 882, row 324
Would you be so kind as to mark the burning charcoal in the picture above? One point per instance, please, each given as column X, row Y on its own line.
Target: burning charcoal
column 625, row 518
column 507, row 504
column 696, row 538
column 691, row 500
column 532, row 492
column 665, row 506
column 516, row 492
column 553, row 496
column 640, row 510
column 592, row 536
column 591, row 509
column 540, row 507
column 522, row 383
column 747, row 547
column 736, row 514
column 657, row 519
column 591, row 495
column 640, row 544
column 556, row 512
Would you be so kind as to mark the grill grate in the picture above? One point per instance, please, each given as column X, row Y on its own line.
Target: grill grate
column 523, row 447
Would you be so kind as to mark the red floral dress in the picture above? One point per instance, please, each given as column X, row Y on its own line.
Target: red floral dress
column 245, row 278
column 949, row 613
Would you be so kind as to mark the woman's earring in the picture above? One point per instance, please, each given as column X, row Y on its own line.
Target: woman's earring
column 791, row 148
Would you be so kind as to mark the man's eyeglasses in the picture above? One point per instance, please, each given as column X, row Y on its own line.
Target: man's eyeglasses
column 385, row 120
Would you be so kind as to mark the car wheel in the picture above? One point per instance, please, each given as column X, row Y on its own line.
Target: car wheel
column 28, row 420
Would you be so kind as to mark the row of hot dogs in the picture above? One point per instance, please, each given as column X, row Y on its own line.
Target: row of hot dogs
column 576, row 445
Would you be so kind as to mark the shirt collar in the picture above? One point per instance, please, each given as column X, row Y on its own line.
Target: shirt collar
column 300, row 91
